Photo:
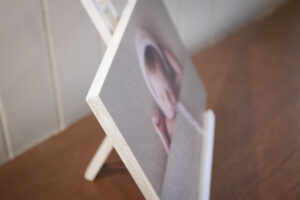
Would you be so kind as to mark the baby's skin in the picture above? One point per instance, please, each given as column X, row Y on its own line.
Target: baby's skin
column 165, row 79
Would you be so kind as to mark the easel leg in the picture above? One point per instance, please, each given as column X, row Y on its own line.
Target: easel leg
column 99, row 159
column 207, row 155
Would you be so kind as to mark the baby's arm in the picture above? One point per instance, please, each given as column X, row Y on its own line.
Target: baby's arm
column 159, row 123
column 174, row 64
column 170, row 125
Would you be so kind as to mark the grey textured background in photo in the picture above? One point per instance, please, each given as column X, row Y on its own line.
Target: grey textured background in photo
column 182, row 174
column 130, row 103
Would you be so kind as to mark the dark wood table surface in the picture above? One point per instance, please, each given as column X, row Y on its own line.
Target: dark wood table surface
column 253, row 83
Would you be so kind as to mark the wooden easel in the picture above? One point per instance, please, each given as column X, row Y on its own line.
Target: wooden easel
column 106, row 18
column 105, row 25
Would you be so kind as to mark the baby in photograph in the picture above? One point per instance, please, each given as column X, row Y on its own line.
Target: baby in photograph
column 164, row 76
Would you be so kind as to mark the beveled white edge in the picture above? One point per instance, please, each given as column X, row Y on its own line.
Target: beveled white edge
column 111, row 129
column 98, row 108
column 206, row 155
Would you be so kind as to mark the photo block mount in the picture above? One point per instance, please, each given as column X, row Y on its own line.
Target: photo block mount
column 151, row 103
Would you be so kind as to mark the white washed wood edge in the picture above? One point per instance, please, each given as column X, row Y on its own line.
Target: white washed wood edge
column 113, row 133
column 106, row 146
column 206, row 155
column 103, row 116
column 111, row 50
column 121, row 146
column 98, row 159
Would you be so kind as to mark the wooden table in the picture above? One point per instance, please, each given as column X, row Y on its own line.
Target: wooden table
column 253, row 84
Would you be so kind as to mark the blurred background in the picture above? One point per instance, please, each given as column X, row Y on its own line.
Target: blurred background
column 50, row 51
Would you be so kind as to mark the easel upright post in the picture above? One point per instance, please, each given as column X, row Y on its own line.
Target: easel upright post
column 105, row 24
column 99, row 159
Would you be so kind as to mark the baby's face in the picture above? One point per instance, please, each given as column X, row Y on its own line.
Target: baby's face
column 164, row 94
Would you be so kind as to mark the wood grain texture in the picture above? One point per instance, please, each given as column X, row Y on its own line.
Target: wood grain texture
column 55, row 169
column 253, row 84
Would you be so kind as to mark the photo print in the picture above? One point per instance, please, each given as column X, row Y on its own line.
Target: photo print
column 149, row 99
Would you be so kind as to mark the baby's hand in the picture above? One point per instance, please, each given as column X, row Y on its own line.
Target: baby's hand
column 159, row 123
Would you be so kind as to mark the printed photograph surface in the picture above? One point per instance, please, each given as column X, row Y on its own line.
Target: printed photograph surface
column 163, row 75
column 155, row 97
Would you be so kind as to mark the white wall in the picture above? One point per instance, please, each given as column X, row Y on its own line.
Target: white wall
column 203, row 22
column 36, row 43
column 26, row 81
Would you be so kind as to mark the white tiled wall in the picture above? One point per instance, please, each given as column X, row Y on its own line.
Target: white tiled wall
column 77, row 49
column 27, row 45
column 26, row 90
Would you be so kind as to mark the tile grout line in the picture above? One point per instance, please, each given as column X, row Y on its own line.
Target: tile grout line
column 6, row 134
column 53, row 66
